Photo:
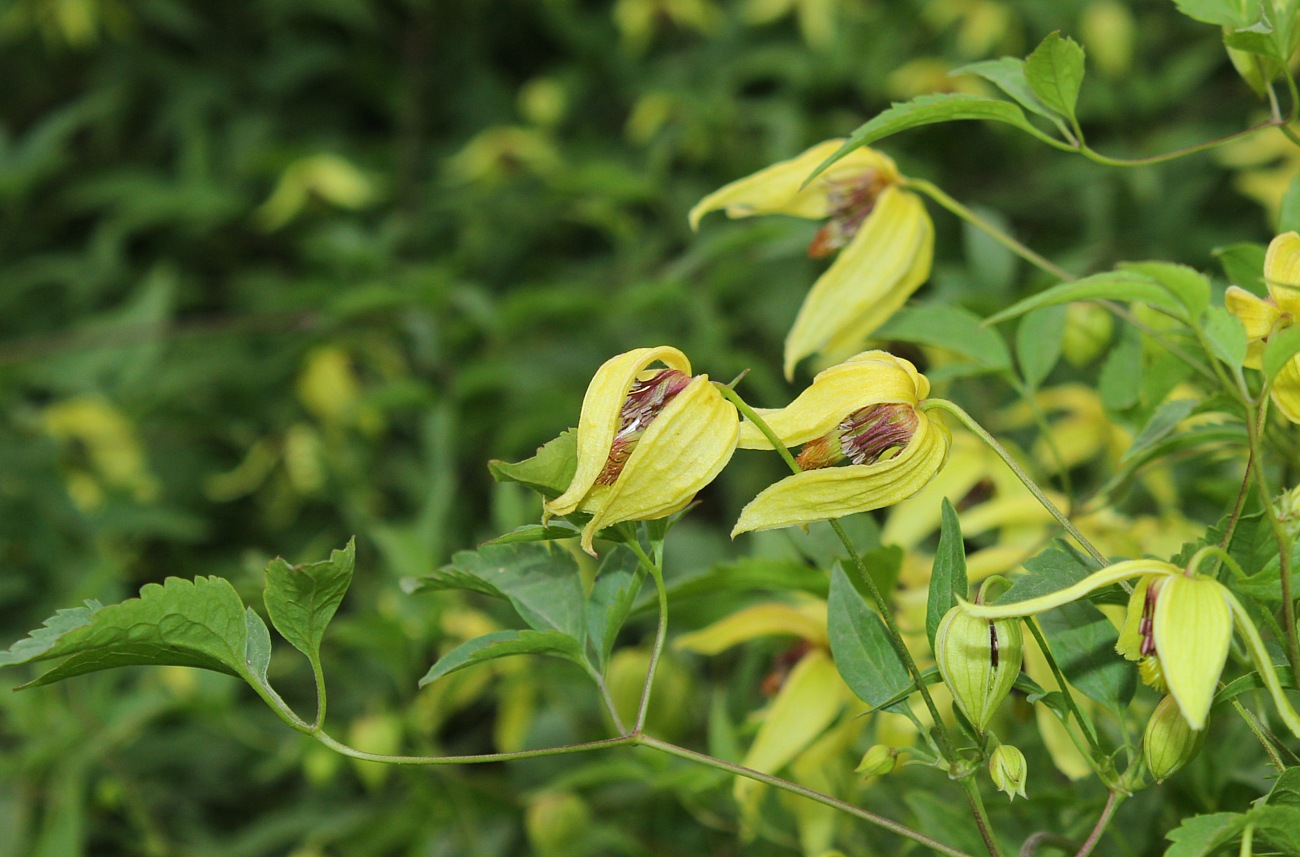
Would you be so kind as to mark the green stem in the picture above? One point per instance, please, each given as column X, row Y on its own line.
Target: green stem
column 1254, row 727
column 352, row 752
column 607, row 700
column 1237, row 508
column 1084, row 723
column 992, row 442
column 1045, row 839
column 661, row 632
column 1113, row 801
column 981, row 815
column 1098, row 158
column 319, row 673
column 992, row 231
column 795, row 788
column 279, row 706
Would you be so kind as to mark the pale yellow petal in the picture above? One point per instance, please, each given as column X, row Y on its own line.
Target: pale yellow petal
column 833, row 492
column 1193, row 628
column 1105, row 577
column 684, row 449
column 1286, row 390
column 599, row 422
column 1129, row 644
column 1263, row 663
column 806, row 621
column 870, row 378
column 1282, row 271
column 779, row 188
column 1255, row 314
column 872, row 277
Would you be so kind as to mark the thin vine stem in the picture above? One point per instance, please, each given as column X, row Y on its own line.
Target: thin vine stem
column 478, row 759
column 1098, row 158
column 1113, row 801
column 993, row 444
column 661, row 632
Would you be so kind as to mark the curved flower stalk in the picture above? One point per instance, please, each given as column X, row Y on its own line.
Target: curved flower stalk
column 864, row 414
column 883, row 234
column 1264, row 317
column 648, row 440
column 1178, row 627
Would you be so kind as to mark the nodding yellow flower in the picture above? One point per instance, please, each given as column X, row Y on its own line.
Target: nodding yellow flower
column 1263, row 317
column 1178, row 627
column 863, row 414
column 883, row 233
column 648, row 440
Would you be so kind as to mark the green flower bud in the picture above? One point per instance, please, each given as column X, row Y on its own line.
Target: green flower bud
column 1087, row 331
column 554, row 822
column 1169, row 743
column 1287, row 509
column 1008, row 769
column 877, row 761
column 979, row 660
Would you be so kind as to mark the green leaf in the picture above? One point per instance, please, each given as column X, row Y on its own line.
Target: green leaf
column 860, row 644
column 612, row 597
column 1191, row 287
column 1288, row 219
column 200, row 623
column 543, row 584
column 501, row 644
column 549, row 472
column 1279, row 825
column 1165, row 419
column 1120, row 382
column 1226, row 335
column 1203, row 835
column 1243, row 264
column 929, row 110
column 1108, row 285
column 1083, row 642
column 1038, row 343
column 1008, row 75
column 948, row 577
column 537, row 533
column 951, row 328
column 1286, row 789
column 1252, row 681
column 1225, row 13
column 1258, row 38
column 1280, row 349
column 1055, row 72
column 302, row 599
column 1055, row 568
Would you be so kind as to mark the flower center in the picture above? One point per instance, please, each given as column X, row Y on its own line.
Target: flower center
column 863, row 437
column 850, row 201
column 644, row 402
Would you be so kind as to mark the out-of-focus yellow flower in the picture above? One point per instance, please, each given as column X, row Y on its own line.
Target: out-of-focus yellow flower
column 116, row 459
column 1262, row 317
column 329, row 178
column 638, row 20
column 648, row 440
column 883, row 233
column 1178, row 627
column 818, row 19
column 982, row 26
column 498, row 153
column 863, row 413
column 925, row 75
column 1266, row 164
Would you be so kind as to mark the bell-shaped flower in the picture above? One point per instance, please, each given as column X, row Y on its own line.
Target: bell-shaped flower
column 1263, row 317
column 648, row 440
column 883, row 234
column 863, row 415
column 1178, row 627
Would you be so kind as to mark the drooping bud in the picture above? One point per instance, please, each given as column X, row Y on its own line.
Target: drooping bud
column 1008, row 770
column 1169, row 742
column 979, row 660
column 878, row 761
column 863, row 437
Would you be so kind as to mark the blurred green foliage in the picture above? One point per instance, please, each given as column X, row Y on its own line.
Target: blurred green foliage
column 275, row 274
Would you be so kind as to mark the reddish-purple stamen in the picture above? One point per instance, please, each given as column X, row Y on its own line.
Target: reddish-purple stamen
column 644, row 402
column 849, row 201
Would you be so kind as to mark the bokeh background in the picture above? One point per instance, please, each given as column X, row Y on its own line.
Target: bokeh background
column 277, row 273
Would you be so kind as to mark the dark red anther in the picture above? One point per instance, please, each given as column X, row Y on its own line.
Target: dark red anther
column 993, row 645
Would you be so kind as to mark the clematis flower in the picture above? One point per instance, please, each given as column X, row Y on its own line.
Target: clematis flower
column 862, row 414
column 648, row 440
column 883, row 233
column 1178, row 628
column 1264, row 317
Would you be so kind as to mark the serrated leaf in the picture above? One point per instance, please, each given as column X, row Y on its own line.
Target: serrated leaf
column 1038, row 343
column 1203, row 835
column 199, row 623
column 302, row 599
column 548, row 472
column 1243, row 264
column 1280, row 349
column 931, row 109
column 1109, row 285
column 948, row 576
column 1286, row 789
column 1008, row 75
column 1225, row 334
column 951, row 328
column 502, row 644
column 543, row 584
column 612, row 596
column 1225, row 13
column 1083, row 641
column 1055, row 72
column 1165, row 419
column 1189, row 286
column 1258, row 38
column 860, row 644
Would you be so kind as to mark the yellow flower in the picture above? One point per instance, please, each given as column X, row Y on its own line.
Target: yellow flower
column 1178, row 627
column 885, row 232
column 1263, row 317
column 648, row 440
column 864, row 412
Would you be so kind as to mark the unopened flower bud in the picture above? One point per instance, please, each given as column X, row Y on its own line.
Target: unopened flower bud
column 1169, row 742
column 979, row 660
column 555, row 821
column 1087, row 331
column 877, row 761
column 1287, row 509
column 1008, row 770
